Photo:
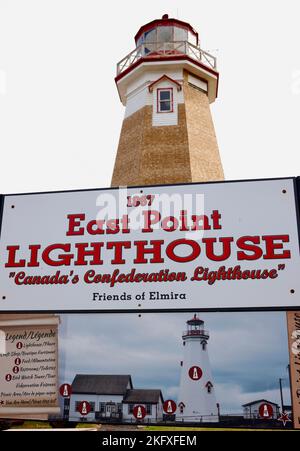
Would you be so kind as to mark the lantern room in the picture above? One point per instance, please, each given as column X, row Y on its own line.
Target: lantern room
column 195, row 327
column 165, row 46
column 166, row 30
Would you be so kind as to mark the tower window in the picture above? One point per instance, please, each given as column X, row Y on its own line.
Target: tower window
column 165, row 100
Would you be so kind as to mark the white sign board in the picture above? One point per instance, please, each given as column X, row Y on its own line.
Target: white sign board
column 229, row 245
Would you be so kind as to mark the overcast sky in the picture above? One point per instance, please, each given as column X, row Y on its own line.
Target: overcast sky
column 248, row 352
column 60, row 115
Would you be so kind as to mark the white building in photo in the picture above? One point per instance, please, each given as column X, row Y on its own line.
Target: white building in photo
column 152, row 400
column 261, row 408
column 112, row 398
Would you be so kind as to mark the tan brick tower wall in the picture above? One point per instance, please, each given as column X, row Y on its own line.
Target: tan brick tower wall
column 183, row 153
column 205, row 161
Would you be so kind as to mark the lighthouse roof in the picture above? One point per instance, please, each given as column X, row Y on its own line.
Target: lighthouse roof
column 165, row 21
column 258, row 401
column 195, row 320
column 101, row 384
column 145, row 396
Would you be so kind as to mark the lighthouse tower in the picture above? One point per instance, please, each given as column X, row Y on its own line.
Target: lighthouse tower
column 196, row 398
column 167, row 84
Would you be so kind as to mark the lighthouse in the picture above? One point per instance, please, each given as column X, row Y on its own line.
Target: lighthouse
column 196, row 399
column 166, row 84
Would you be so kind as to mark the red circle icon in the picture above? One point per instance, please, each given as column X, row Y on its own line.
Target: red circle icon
column 139, row 412
column 17, row 361
column 16, row 369
column 19, row 345
column 65, row 390
column 266, row 411
column 84, row 408
column 170, row 406
column 195, row 373
column 8, row 377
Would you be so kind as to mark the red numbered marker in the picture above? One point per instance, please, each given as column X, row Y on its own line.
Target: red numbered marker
column 139, row 412
column 84, row 408
column 266, row 411
column 170, row 406
column 65, row 390
column 8, row 377
column 17, row 361
column 195, row 373
column 16, row 369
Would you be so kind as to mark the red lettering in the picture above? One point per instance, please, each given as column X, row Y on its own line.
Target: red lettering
column 75, row 221
column 11, row 261
column 204, row 222
column 256, row 251
column 150, row 217
column 155, row 249
column 184, row 221
column 94, row 228
column 33, row 262
column 169, row 227
column 271, row 246
column 83, row 252
column 177, row 258
column 125, row 224
column 118, row 246
column 216, row 216
column 62, row 260
column 210, row 248
column 112, row 226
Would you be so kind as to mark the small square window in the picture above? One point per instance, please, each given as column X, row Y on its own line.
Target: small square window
column 165, row 100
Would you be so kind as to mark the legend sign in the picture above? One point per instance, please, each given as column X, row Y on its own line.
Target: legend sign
column 29, row 366
column 230, row 245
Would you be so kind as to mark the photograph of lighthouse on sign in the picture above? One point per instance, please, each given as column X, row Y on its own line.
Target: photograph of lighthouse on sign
column 225, row 369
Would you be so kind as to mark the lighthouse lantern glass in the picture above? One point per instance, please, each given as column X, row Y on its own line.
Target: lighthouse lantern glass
column 180, row 34
column 165, row 34
column 192, row 38
column 148, row 36
column 165, row 38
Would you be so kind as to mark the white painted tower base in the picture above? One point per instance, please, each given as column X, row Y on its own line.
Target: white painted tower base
column 196, row 398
